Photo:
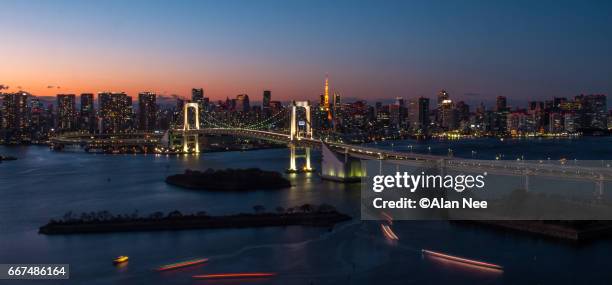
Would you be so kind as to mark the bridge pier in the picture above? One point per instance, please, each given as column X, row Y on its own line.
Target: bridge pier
column 293, row 156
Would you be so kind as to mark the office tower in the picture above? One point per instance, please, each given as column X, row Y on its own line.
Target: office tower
column 463, row 111
column 556, row 124
column 87, row 117
column 501, row 104
column 267, row 96
column 37, row 119
column 593, row 111
column 570, row 122
column 418, row 114
column 399, row 101
column 445, row 113
column 401, row 112
column 242, row 103
column 147, row 111
column 115, row 112
column 276, row 106
column 501, row 114
column 558, row 102
column 395, row 119
column 15, row 117
column 197, row 95
column 66, row 112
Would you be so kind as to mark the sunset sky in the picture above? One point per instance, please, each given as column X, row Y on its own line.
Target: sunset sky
column 371, row 49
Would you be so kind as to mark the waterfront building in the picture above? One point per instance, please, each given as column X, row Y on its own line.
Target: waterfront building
column 556, row 124
column 39, row 124
column 66, row 112
column 15, row 121
column 570, row 122
column 418, row 112
column 115, row 112
column 87, row 118
column 147, row 111
column 593, row 111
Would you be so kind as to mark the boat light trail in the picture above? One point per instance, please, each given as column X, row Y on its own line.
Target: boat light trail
column 462, row 260
column 182, row 264
column 388, row 232
column 387, row 217
column 234, row 275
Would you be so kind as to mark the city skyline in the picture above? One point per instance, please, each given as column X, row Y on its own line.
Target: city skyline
column 519, row 50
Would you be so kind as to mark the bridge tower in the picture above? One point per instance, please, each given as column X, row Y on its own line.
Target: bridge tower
column 189, row 137
column 295, row 133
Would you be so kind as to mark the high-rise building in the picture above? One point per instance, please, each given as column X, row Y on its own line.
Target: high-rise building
column 418, row 112
column 395, row 118
column 147, row 111
column 501, row 104
column 463, row 111
column 115, row 112
column 593, row 111
column 242, row 103
column 501, row 114
column 445, row 113
column 66, row 112
column 15, row 117
column 267, row 96
column 558, row 102
column 442, row 96
column 37, row 119
column 87, row 117
column 197, row 95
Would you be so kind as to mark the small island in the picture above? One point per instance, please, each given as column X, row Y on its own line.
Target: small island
column 104, row 222
column 229, row 180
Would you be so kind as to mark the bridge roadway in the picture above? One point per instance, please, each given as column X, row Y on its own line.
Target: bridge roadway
column 500, row 167
column 127, row 139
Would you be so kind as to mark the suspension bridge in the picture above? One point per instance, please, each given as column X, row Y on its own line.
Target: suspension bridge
column 301, row 138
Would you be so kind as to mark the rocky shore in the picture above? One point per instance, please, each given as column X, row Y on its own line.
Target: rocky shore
column 177, row 221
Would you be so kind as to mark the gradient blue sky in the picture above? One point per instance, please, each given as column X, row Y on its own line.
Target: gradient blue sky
column 370, row 49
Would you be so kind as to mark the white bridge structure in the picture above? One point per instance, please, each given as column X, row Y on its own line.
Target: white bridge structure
column 190, row 140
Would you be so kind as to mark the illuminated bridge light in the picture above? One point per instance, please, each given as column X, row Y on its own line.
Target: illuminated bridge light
column 235, row 275
column 461, row 260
